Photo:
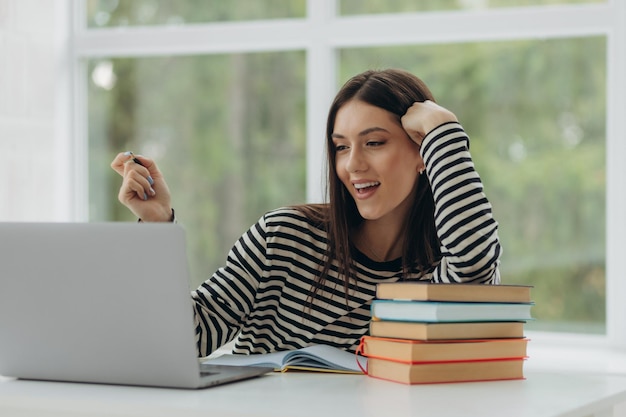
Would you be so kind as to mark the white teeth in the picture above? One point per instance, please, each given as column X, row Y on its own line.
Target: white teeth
column 365, row 185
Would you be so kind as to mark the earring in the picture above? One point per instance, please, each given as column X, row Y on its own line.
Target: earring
column 421, row 171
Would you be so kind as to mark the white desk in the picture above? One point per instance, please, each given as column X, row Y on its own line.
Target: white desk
column 324, row 395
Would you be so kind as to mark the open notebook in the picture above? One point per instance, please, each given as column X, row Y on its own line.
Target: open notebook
column 319, row 358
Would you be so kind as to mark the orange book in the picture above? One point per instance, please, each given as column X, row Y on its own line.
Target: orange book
column 444, row 372
column 419, row 351
column 440, row 331
column 423, row 291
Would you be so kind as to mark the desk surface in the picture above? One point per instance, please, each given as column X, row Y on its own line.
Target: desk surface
column 318, row 394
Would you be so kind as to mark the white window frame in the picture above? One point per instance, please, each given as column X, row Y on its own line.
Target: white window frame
column 320, row 34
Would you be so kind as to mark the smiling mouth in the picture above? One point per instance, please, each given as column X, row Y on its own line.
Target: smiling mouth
column 364, row 187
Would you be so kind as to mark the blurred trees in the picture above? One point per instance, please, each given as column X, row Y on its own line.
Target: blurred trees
column 227, row 131
column 535, row 112
column 356, row 7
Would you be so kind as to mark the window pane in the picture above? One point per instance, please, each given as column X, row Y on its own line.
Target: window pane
column 112, row 13
column 355, row 7
column 535, row 112
column 228, row 132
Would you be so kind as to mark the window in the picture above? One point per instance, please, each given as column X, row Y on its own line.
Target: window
column 234, row 105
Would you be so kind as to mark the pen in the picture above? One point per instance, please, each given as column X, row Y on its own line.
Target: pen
column 133, row 157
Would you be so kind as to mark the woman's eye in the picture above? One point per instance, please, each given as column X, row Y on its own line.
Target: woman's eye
column 375, row 143
column 340, row 148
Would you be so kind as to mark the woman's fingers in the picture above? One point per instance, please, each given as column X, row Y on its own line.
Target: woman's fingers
column 144, row 190
column 120, row 160
column 137, row 184
column 422, row 117
column 137, row 177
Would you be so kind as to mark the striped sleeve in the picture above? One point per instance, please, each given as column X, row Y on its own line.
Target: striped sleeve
column 463, row 216
column 222, row 302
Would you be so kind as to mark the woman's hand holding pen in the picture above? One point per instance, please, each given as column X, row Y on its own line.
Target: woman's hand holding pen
column 422, row 117
column 144, row 190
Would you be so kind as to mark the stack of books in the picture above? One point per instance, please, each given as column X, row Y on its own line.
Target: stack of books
column 435, row 333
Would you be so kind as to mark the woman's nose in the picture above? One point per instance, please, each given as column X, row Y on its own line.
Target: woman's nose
column 356, row 162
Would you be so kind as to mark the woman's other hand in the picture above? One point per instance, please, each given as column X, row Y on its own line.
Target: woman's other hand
column 422, row 117
column 144, row 190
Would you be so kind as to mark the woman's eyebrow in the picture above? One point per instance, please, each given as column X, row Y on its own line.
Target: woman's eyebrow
column 372, row 129
column 362, row 133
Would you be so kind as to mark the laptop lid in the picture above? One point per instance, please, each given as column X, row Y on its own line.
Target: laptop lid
column 99, row 302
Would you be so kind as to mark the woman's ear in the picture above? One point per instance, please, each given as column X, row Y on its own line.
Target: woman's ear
column 421, row 167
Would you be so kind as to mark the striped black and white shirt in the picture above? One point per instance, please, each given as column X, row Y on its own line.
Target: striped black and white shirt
column 261, row 295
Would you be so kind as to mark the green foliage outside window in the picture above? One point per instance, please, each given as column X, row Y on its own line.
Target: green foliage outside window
column 535, row 112
column 114, row 13
column 356, row 7
column 228, row 132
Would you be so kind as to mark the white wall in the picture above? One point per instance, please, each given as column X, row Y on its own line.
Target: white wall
column 29, row 110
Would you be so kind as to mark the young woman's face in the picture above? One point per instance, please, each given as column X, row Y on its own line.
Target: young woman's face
column 376, row 160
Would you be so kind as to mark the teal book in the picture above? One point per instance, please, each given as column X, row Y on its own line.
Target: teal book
column 440, row 312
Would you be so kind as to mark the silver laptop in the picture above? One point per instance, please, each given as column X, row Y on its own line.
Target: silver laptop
column 102, row 303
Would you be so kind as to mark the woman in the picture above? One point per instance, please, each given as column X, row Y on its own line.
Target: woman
column 405, row 203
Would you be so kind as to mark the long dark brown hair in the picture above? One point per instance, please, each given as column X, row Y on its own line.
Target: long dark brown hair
column 393, row 90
